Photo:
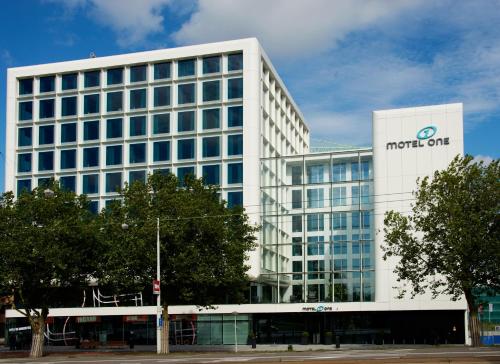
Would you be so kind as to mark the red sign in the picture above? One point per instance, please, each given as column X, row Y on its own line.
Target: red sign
column 156, row 286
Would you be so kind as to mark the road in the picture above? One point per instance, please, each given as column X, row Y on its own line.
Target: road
column 401, row 355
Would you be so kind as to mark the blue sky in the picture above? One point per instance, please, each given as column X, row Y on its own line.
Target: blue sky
column 340, row 59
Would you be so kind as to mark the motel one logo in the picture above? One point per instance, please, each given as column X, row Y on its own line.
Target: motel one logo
column 425, row 138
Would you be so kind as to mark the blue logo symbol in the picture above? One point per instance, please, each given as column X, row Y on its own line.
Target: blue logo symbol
column 320, row 309
column 426, row 133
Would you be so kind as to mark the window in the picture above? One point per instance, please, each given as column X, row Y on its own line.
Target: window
column 338, row 171
column 339, row 196
column 234, row 173
column 24, row 162
column 24, row 137
column 68, row 106
column 211, row 91
column 91, row 157
column 46, row 109
column 297, row 247
column 211, row 118
column 90, row 183
column 45, row 161
column 93, row 207
column 137, row 153
column 234, row 116
column 91, row 130
column 211, row 64
column 339, row 221
column 161, row 124
column 26, row 86
column 234, row 199
column 138, row 73
column 296, row 175
column 44, row 182
column 115, row 76
column 114, row 101
column 186, row 68
column 315, row 266
column 297, row 268
column 340, row 264
column 91, row 104
column 211, row 147
column 355, row 195
column 138, row 99
column 183, row 172
column 297, row 223
column 185, row 149
column 68, row 183
column 46, row 134
column 360, row 171
column 23, row 185
column 315, row 198
column 185, row 121
column 25, row 110
column 340, row 245
column 161, row 151
column 235, row 62
column 315, row 222
column 47, row 84
column 315, row 174
column 211, row 174
column 92, row 79
column 365, row 219
column 365, row 194
column 136, row 176
column 186, row 93
column 68, row 158
column 162, row 96
column 296, row 199
column 162, row 70
column 235, row 88
column 137, row 125
column 114, row 155
column 114, row 128
column 316, row 245
column 113, row 181
column 69, row 81
column 162, row 171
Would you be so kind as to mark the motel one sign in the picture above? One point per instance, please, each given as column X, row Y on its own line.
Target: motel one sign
column 424, row 138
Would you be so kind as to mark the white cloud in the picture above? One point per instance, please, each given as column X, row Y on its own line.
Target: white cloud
column 486, row 159
column 6, row 57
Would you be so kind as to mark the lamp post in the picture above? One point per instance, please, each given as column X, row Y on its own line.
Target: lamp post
column 234, row 313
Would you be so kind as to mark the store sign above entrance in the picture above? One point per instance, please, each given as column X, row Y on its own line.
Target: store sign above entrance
column 424, row 139
column 320, row 308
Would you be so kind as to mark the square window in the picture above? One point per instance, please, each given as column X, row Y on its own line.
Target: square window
column 68, row 158
column 137, row 125
column 235, row 144
column 26, row 86
column 234, row 199
column 69, row 81
column 296, row 199
column 211, row 64
column 186, row 67
column 185, row 121
column 186, row 93
column 315, row 198
column 94, row 207
column 137, row 153
column 315, row 173
column 234, row 173
column 91, row 157
column 161, row 151
column 162, row 171
column 136, row 176
column 114, row 128
column 138, row 73
column 47, row 84
column 113, row 155
column 338, row 172
column 90, row 183
column 24, row 137
column 234, row 116
column 24, row 162
column 46, row 134
column 115, row 76
column 211, row 174
column 211, row 118
column 68, row 183
column 91, row 130
column 211, row 147
column 25, row 110
column 183, row 172
column 91, row 104
column 162, row 70
column 113, row 181
column 297, row 223
column 138, row 99
column 235, row 62
column 162, row 96
column 92, row 79
column 46, row 109
column 235, row 88
column 296, row 175
column 315, row 222
column 114, row 101
column 45, row 161
column 23, row 186
column 185, row 149
column 68, row 106
column 211, row 91
column 161, row 124
column 68, row 133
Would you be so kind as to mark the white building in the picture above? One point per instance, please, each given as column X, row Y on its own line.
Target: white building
column 221, row 111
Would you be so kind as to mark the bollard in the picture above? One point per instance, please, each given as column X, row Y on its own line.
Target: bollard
column 337, row 341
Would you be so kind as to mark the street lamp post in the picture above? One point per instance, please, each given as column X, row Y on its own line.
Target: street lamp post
column 158, row 298
column 235, row 314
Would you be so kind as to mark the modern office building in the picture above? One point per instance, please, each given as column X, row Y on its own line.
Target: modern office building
column 221, row 112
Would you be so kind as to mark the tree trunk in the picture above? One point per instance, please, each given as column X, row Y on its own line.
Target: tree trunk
column 164, row 333
column 37, row 336
column 474, row 327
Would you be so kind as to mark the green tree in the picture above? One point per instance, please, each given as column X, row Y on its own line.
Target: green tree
column 450, row 244
column 48, row 251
